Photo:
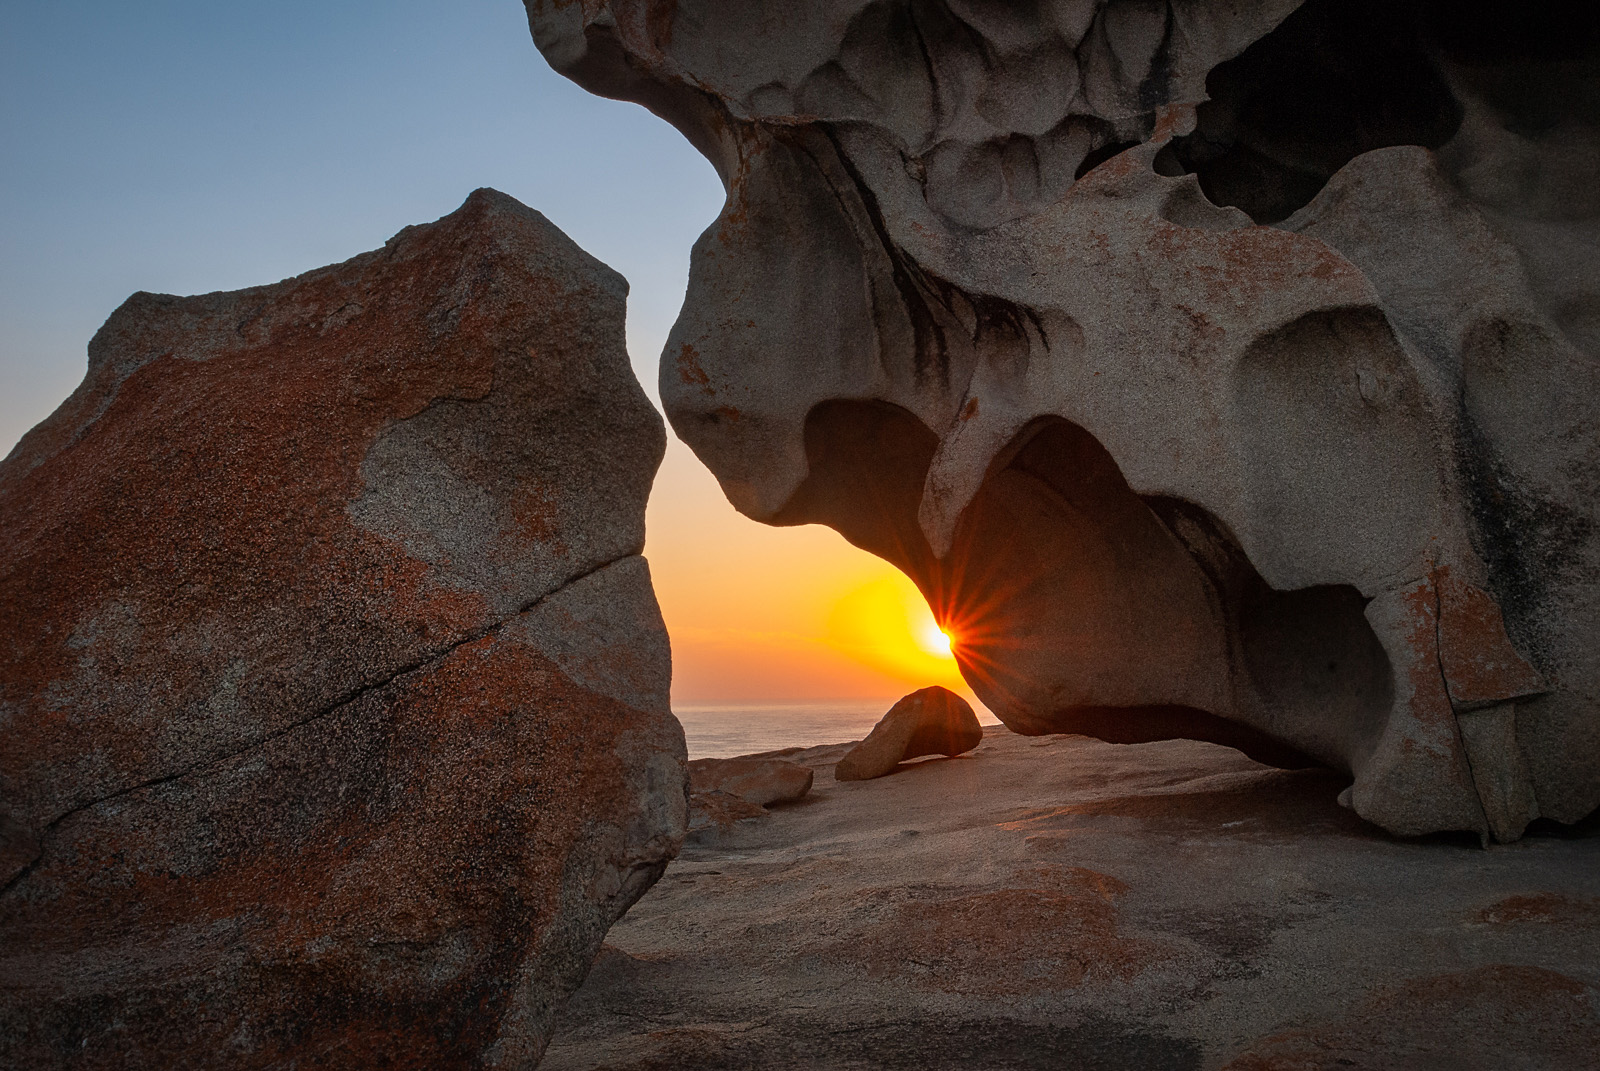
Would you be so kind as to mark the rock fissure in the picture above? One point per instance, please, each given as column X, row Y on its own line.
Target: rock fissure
column 338, row 704
column 1479, row 778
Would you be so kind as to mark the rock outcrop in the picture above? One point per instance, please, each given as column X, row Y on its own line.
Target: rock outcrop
column 1057, row 902
column 729, row 795
column 335, row 727
column 930, row 721
column 753, row 779
column 1216, row 370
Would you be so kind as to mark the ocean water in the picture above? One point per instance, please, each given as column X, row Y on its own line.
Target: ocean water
column 722, row 730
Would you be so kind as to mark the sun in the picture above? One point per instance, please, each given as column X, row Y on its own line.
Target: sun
column 935, row 640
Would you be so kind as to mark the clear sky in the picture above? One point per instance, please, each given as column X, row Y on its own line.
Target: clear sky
column 184, row 146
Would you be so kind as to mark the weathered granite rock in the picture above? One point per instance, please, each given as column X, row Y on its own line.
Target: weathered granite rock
column 1216, row 370
column 930, row 721
column 754, row 779
column 335, row 727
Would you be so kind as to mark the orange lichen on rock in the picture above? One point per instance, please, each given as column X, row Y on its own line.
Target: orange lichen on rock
column 1480, row 665
column 1545, row 1017
column 1057, row 931
column 1543, row 907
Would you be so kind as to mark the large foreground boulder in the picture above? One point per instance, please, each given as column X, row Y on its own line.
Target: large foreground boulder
column 1223, row 370
column 333, row 691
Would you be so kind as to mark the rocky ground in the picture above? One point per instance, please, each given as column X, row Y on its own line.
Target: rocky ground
column 1058, row 902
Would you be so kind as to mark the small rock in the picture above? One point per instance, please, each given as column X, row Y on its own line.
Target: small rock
column 758, row 781
column 933, row 721
column 714, row 814
column 721, row 809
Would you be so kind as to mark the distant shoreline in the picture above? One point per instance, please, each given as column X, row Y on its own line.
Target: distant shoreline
column 726, row 729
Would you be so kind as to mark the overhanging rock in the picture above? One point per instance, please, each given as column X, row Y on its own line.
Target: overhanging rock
column 1223, row 371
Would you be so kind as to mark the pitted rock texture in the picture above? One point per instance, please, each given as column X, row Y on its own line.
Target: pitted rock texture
column 929, row 721
column 1216, row 370
column 335, row 692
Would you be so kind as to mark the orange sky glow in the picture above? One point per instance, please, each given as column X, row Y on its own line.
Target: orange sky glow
column 763, row 613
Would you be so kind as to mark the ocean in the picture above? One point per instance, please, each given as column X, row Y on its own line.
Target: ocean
column 722, row 730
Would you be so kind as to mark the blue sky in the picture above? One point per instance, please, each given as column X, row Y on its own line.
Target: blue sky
column 183, row 146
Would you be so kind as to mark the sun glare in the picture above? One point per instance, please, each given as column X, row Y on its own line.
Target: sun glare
column 935, row 640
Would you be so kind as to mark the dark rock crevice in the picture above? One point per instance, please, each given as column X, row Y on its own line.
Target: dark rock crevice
column 1336, row 79
column 1309, row 651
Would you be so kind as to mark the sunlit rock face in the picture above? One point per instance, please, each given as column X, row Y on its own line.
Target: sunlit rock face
column 333, row 692
column 1217, row 370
